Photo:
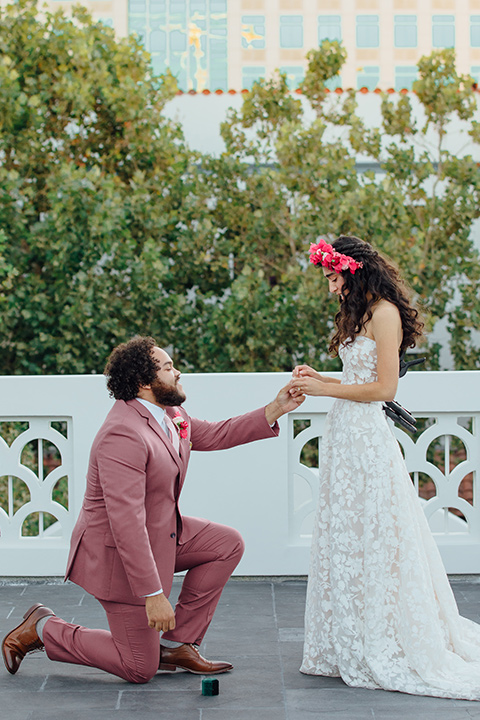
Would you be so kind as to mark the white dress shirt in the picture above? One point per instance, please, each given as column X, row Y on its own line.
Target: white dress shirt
column 157, row 412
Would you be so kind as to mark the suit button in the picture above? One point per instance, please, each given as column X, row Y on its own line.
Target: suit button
column 172, row 535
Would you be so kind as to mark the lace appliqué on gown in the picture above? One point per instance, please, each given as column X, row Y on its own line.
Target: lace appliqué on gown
column 380, row 612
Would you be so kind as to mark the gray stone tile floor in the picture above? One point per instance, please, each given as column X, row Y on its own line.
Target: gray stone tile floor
column 258, row 626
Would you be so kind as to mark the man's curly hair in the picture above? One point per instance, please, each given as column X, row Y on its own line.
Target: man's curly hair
column 129, row 366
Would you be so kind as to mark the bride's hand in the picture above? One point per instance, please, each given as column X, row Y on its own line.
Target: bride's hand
column 308, row 386
column 306, row 371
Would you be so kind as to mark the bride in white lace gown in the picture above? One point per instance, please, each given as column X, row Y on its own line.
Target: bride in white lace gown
column 380, row 612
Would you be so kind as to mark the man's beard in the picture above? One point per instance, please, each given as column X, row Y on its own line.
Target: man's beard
column 166, row 394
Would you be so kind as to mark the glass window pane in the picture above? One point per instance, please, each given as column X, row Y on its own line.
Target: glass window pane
column 158, row 7
column 188, row 37
column 253, row 31
column 138, row 25
column 405, row 30
column 475, row 31
column 251, row 74
column 198, row 6
column 295, row 75
column 334, row 82
column 405, row 76
column 178, row 41
column 291, row 31
column 158, row 41
column 475, row 73
column 218, row 48
column 443, row 31
column 158, row 64
column 137, row 6
column 368, row 31
column 329, row 28
column 368, row 77
column 218, row 79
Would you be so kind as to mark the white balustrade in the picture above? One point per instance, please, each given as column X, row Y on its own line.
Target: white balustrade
column 267, row 490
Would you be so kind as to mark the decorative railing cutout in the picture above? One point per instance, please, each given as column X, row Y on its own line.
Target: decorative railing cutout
column 442, row 459
column 36, row 467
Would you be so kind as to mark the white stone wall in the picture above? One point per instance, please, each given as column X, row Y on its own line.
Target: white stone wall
column 262, row 489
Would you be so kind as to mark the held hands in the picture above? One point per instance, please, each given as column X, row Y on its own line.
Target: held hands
column 284, row 403
column 307, row 381
column 160, row 613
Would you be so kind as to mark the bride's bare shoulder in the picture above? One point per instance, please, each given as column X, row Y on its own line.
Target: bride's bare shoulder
column 384, row 309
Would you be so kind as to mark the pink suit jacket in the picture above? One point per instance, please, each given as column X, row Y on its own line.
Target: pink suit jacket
column 123, row 545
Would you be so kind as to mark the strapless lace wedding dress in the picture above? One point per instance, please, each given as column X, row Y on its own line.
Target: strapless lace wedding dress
column 380, row 612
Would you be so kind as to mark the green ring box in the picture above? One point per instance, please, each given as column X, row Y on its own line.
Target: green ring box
column 210, row 686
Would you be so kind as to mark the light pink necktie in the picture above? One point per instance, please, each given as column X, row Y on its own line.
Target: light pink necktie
column 173, row 432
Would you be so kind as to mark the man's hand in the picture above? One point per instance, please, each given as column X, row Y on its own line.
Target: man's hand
column 285, row 402
column 160, row 613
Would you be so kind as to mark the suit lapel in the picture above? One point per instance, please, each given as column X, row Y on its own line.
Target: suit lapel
column 142, row 410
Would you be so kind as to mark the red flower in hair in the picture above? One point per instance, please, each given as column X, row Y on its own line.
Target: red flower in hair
column 325, row 255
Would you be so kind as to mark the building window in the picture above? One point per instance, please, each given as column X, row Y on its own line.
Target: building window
column 368, row 31
column 405, row 31
column 475, row 30
column 329, row 28
column 295, row 75
column 253, row 31
column 334, row 82
column 405, row 76
column 137, row 25
column 217, row 47
column 158, row 40
column 443, row 31
column 250, row 75
column 157, row 7
column 137, row 7
column 291, row 31
column 368, row 77
column 189, row 38
column 475, row 73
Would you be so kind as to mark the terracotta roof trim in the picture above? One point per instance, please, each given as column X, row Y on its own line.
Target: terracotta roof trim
column 337, row 91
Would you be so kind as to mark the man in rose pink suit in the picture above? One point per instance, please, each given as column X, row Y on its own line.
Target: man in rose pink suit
column 130, row 537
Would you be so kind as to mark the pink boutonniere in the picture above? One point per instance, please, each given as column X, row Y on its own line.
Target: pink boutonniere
column 181, row 424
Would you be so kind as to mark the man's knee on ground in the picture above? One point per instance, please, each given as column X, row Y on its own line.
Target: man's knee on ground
column 141, row 675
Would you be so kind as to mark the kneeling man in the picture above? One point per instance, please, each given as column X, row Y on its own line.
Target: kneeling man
column 130, row 537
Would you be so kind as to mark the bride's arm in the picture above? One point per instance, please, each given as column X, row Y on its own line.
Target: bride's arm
column 386, row 329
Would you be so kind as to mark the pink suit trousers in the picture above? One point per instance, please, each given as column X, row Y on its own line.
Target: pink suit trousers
column 130, row 649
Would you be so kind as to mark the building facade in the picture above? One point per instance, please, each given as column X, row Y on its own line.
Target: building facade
column 228, row 44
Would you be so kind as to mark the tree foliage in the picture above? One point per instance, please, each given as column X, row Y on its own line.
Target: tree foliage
column 111, row 225
column 90, row 176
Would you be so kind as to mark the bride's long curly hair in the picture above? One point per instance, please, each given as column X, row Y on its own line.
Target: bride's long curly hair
column 378, row 279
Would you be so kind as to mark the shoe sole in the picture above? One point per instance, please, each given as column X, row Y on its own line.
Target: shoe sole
column 174, row 668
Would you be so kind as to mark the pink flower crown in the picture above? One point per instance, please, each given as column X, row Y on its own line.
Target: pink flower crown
column 181, row 424
column 325, row 255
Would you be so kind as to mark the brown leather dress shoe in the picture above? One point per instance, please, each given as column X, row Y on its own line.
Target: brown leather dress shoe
column 187, row 657
column 24, row 639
